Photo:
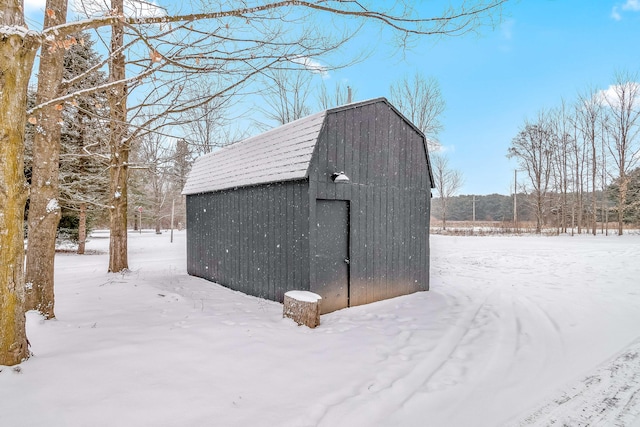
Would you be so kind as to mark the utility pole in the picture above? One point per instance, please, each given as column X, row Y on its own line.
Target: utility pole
column 515, row 199
column 473, row 221
column 474, row 209
column 173, row 210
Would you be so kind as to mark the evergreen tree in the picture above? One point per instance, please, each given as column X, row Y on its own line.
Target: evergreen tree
column 84, row 139
column 632, row 202
column 182, row 161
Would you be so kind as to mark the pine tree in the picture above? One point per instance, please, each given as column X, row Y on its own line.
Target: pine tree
column 84, row 139
column 632, row 200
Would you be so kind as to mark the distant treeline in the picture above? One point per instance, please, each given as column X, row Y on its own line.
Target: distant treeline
column 557, row 209
column 492, row 207
column 498, row 207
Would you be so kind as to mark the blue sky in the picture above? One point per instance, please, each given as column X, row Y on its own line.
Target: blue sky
column 544, row 51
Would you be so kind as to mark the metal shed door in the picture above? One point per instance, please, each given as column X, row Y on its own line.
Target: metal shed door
column 332, row 254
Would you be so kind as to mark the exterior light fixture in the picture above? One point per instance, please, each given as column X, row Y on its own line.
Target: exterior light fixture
column 339, row 177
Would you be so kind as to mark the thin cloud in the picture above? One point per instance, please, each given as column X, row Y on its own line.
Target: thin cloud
column 611, row 95
column 143, row 9
column 615, row 14
column 506, row 28
column 507, row 33
column 629, row 6
column 437, row 147
column 632, row 5
column 312, row 65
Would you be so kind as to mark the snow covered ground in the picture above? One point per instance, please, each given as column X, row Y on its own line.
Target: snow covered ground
column 516, row 331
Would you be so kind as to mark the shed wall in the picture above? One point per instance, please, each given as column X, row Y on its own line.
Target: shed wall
column 389, row 194
column 252, row 239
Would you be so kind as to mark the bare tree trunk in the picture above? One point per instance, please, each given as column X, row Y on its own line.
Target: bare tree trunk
column 605, row 207
column 580, row 204
column 119, row 144
column 594, row 198
column 44, row 210
column 573, row 217
column 539, row 212
column 444, row 213
column 622, row 201
column 447, row 182
column 17, row 53
column 533, row 146
column 565, row 183
column 82, row 229
column 606, row 221
column 578, row 189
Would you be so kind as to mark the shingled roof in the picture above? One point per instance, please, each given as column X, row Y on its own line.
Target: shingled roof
column 281, row 154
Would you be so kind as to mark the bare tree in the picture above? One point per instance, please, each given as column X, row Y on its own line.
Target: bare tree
column 341, row 95
column 119, row 144
column 562, row 127
column 575, row 155
column 604, row 174
column 44, row 208
column 589, row 120
column 447, row 182
column 286, row 94
column 580, row 178
column 18, row 49
column 208, row 123
column 420, row 99
column 534, row 147
column 154, row 152
column 623, row 108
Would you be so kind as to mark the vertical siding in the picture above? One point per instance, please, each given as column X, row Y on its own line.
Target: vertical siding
column 261, row 240
column 389, row 191
column 254, row 239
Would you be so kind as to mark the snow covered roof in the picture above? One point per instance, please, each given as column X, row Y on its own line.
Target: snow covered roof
column 281, row 154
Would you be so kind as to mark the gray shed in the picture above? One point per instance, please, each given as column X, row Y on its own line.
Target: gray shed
column 337, row 203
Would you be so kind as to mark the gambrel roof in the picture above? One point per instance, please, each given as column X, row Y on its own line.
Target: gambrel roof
column 281, row 154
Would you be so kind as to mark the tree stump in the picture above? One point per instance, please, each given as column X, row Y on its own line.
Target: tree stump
column 303, row 307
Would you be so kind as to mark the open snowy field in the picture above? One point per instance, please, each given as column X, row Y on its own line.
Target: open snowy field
column 516, row 331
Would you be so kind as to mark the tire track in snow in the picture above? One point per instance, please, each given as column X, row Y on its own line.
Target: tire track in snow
column 520, row 340
column 546, row 336
column 507, row 342
column 365, row 405
column 610, row 396
column 515, row 351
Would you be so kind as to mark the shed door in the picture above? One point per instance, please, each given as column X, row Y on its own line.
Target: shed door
column 332, row 254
